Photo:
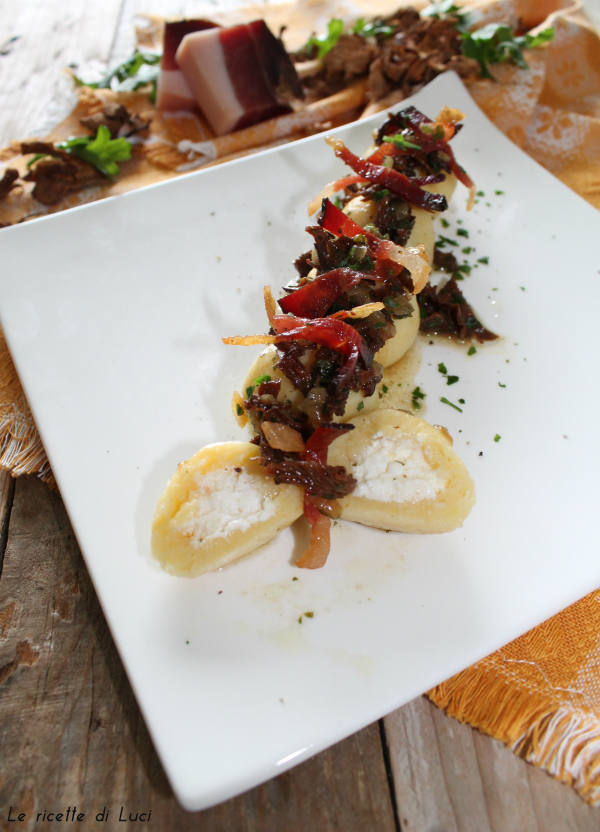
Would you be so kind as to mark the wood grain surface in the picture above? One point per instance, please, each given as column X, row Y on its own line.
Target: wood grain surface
column 71, row 733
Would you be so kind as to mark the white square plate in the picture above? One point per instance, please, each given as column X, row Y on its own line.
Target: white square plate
column 114, row 313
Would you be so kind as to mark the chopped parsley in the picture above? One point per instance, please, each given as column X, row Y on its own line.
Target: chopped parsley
column 462, row 232
column 239, row 410
column 501, row 385
column 249, row 391
column 471, row 351
column 379, row 195
column 497, row 437
column 465, row 268
column 467, row 250
column 360, row 406
column 385, row 388
column 259, row 380
column 499, row 193
column 451, row 379
column 417, row 394
column 445, row 240
column 445, row 223
column 445, row 401
column 480, row 193
column 484, row 260
column 461, row 401
column 442, row 369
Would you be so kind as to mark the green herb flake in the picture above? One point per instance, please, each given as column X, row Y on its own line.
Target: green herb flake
column 379, row 195
column 522, row 288
column 447, row 240
column 445, row 401
column 497, row 437
column 462, row 232
column 467, row 250
column 501, row 385
column 465, row 268
column 499, row 193
column 249, row 391
column 461, row 401
column 259, row 380
column 360, row 406
column 451, row 379
column 471, row 351
column 101, row 152
column 484, row 260
column 401, row 142
column 445, row 223
column 417, row 394
column 308, row 614
column 294, row 578
column 385, row 388
column 325, row 44
column 480, row 193
column 239, row 410
column 442, row 369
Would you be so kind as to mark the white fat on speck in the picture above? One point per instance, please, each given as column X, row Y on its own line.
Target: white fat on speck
column 394, row 470
column 226, row 502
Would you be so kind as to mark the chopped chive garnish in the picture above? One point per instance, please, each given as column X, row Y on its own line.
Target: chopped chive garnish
column 501, row 385
column 445, row 400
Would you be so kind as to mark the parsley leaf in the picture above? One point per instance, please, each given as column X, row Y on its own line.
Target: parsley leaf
column 442, row 369
column 138, row 71
column 325, row 44
column 496, row 42
column 101, row 152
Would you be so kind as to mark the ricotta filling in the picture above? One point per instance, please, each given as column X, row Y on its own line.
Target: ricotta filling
column 394, row 470
column 226, row 501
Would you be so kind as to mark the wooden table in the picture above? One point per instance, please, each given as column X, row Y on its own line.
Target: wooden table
column 70, row 730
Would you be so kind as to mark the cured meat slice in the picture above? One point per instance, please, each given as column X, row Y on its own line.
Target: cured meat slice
column 173, row 92
column 239, row 75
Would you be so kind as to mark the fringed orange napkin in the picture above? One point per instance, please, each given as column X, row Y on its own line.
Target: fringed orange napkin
column 540, row 694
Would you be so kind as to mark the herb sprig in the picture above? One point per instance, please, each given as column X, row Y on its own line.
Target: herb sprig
column 496, row 43
column 325, row 44
column 138, row 71
column 100, row 151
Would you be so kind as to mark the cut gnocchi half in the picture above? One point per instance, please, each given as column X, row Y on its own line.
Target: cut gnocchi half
column 409, row 479
column 219, row 506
